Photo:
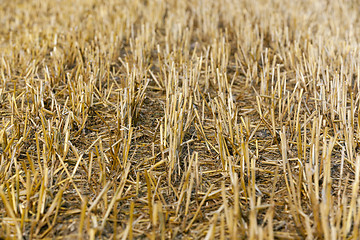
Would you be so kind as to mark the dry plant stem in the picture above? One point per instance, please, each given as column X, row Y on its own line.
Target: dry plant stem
column 179, row 119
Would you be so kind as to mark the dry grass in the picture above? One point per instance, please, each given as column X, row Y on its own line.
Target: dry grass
column 168, row 119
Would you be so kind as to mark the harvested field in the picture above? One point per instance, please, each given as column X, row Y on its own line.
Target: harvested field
column 166, row 119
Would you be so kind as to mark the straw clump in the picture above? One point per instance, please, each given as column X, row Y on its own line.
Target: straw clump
column 179, row 119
